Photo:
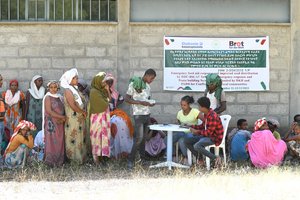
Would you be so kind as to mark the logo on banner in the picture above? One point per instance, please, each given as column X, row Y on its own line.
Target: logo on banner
column 262, row 41
column 236, row 44
column 192, row 45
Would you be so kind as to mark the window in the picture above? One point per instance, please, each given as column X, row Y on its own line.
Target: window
column 257, row 11
column 58, row 10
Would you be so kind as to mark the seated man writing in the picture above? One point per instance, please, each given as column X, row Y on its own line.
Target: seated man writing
column 208, row 133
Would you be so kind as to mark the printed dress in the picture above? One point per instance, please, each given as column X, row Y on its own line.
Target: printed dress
column 100, row 133
column 54, row 135
column 13, row 114
column 75, row 132
column 34, row 113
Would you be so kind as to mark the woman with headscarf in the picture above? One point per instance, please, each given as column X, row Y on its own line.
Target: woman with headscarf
column 215, row 93
column 53, row 126
column 15, row 106
column 116, row 98
column 100, row 118
column 34, row 102
column 121, row 139
column 19, row 145
column 75, row 130
column 263, row 148
column 274, row 125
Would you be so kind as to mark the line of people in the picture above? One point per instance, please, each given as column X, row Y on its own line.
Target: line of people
column 86, row 121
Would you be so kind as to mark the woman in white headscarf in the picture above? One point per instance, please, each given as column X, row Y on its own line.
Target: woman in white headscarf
column 75, row 130
column 34, row 102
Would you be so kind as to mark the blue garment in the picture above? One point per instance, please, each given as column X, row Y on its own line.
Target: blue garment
column 238, row 146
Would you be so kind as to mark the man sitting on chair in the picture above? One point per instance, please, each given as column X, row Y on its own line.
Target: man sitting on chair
column 210, row 132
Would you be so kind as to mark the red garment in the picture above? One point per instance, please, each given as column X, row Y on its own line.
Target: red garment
column 211, row 127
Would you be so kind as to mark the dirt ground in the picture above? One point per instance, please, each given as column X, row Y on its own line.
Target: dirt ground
column 115, row 182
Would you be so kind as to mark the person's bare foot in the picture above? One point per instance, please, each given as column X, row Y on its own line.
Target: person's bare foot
column 96, row 160
column 185, row 161
column 201, row 163
column 218, row 162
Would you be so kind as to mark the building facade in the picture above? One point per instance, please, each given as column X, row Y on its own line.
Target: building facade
column 127, row 38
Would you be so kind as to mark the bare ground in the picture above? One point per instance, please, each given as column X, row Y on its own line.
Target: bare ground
column 114, row 181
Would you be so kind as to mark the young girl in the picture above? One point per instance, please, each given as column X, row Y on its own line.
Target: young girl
column 186, row 116
column 20, row 143
column 215, row 93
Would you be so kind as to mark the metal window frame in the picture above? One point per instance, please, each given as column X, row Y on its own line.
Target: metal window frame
column 76, row 6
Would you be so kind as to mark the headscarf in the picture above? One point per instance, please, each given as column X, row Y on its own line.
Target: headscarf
column 114, row 92
column 259, row 123
column 217, row 81
column 13, row 81
column 120, row 113
column 65, row 81
column 36, row 93
column 22, row 124
column 57, row 95
column 11, row 99
column 274, row 122
column 138, row 83
column 98, row 94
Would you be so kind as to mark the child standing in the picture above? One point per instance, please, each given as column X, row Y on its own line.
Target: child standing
column 237, row 140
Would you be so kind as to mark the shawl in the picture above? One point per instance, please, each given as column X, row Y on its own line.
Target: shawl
column 36, row 93
column 65, row 81
column 98, row 94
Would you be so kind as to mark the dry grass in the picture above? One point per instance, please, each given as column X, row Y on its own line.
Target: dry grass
column 115, row 182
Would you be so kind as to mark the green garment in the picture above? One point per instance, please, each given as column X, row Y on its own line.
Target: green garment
column 98, row 94
column 216, row 80
column 277, row 135
column 138, row 83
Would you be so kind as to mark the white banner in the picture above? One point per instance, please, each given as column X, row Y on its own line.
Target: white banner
column 242, row 63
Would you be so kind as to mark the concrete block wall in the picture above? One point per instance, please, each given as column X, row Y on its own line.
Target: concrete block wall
column 146, row 50
column 50, row 49
column 127, row 49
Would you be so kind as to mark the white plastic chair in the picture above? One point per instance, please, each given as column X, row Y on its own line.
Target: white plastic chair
column 225, row 122
column 189, row 155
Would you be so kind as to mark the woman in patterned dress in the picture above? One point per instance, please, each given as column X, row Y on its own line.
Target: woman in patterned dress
column 53, row 126
column 100, row 118
column 75, row 110
column 15, row 106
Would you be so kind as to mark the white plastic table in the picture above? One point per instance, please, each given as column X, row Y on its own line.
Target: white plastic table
column 170, row 128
